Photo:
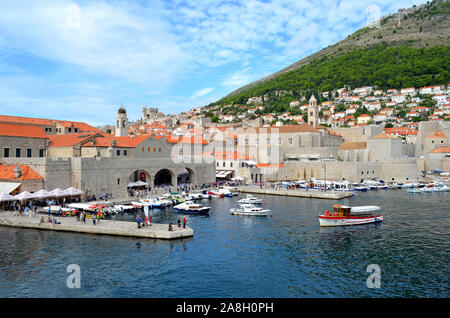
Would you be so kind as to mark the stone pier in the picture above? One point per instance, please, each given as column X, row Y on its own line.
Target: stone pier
column 315, row 194
column 105, row 227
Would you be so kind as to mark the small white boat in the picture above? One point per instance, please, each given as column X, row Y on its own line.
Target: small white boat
column 190, row 207
column 250, row 199
column 249, row 209
column 123, row 208
column 225, row 192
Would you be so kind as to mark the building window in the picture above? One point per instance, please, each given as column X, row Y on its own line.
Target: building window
column 148, row 149
column 118, row 181
column 70, row 129
column 118, row 152
column 41, row 153
column 159, row 149
column 17, row 152
column 217, row 163
column 268, row 141
column 125, row 152
column 29, row 153
column 290, row 141
column 246, row 142
column 231, row 165
column 279, row 141
column 154, row 149
column 256, row 141
column 143, row 149
column 6, row 152
column 75, row 129
column 224, row 163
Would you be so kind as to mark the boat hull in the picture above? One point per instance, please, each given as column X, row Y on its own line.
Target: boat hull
column 262, row 213
column 333, row 221
column 203, row 211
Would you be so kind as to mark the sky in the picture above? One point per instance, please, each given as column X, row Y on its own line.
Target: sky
column 82, row 60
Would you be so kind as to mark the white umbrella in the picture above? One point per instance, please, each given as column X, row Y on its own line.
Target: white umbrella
column 73, row 192
column 57, row 193
column 6, row 197
column 25, row 195
column 41, row 194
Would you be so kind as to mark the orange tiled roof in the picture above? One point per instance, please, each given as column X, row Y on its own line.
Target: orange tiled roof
column 268, row 165
column 7, row 173
column 441, row 150
column 353, row 145
column 121, row 142
column 438, row 134
column 69, row 140
column 17, row 130
column 383, row 136
column 83, row 127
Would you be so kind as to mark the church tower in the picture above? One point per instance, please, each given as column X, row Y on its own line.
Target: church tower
column 121, row 123
column 313, row 112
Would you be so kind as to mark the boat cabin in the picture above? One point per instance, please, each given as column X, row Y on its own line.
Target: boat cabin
column 339, row 211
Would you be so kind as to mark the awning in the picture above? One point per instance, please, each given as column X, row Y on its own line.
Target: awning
column 250, row 162
column 223, row 174
column 8, row 187
column 137, row 184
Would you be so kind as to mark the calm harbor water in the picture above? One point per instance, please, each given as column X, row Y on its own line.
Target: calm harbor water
column 287, row 255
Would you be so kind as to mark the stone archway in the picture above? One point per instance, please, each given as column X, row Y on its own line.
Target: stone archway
column 164, row 177
column 140, row 175
column 188, row 176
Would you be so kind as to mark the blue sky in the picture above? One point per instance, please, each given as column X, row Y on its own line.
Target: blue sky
column 81, row 60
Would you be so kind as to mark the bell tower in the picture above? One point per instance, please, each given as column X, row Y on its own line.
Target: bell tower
column 313, row 112
column 121, row 123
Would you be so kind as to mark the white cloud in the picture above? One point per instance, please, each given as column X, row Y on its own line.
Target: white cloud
column 202, row 92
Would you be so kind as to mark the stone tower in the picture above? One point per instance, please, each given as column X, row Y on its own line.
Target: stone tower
column 121, row 123
column 313, row 112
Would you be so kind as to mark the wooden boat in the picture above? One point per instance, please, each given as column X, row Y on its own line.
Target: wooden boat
column 342, row 215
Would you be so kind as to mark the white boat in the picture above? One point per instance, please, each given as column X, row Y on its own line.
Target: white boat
column 345, row 215
column 249, row 209
column 250, row 199
column 190, row 207
column 233, row 190
column 123, row 208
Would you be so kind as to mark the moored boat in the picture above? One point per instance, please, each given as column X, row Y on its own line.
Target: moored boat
column 342, row 215
column 189, row 207
column 248, row 209
column 250, row 199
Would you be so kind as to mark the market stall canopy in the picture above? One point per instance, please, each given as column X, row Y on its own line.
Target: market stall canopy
column 25, row 195
column 137, row 184
column 8, row 187
column 73, row 192
column 41, row 194
column 57, row 193
column 223, row 174
column 6, row 197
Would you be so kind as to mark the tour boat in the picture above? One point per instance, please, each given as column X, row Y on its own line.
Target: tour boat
column 345, row 215
column 250, row 210
column 189, row 207
column 250, row 199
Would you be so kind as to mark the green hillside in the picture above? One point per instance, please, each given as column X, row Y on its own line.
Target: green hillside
column 383, row 66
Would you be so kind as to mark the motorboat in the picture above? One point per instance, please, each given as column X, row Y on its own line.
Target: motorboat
column 190, row 207
column 226, row 192
column 361, row 188
column 414, row 190
column 250, row 199
column 342, row 215
column 233, row 190
column 123, row 208
column 248, row 209
column 216, row 194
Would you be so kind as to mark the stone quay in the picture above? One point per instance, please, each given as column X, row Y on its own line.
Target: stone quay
column 315, row 194
column 104, row 227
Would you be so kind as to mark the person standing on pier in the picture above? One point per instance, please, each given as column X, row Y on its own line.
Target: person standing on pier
column 138, row 220
column 184, row 222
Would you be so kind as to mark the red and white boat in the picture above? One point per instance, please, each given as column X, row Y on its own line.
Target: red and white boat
column 216, row 194
column 342, row 215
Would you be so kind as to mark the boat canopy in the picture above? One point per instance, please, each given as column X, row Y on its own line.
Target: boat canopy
column 364, row 209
